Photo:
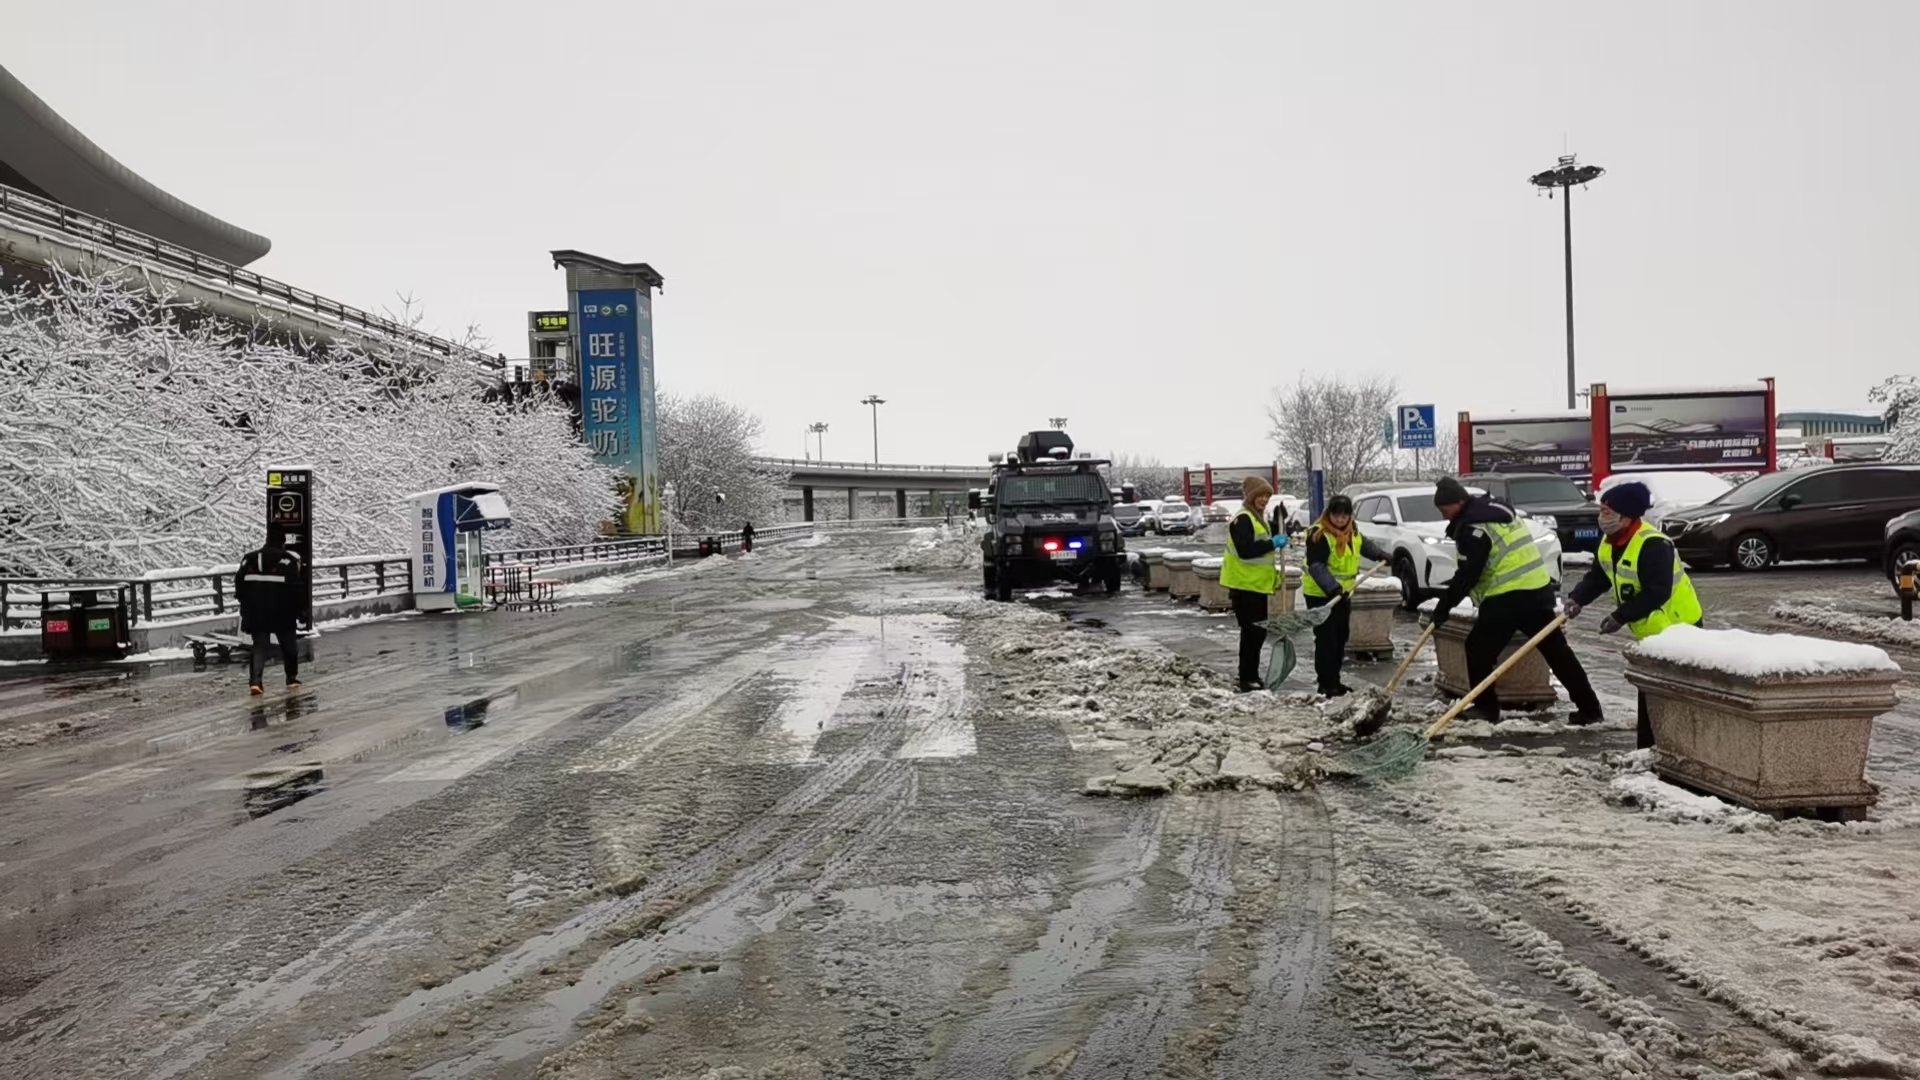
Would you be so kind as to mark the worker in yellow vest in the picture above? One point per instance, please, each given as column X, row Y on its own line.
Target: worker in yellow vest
column 1500, row 568
column 1334, row 550
column 1643, row 573
column 1248, row 574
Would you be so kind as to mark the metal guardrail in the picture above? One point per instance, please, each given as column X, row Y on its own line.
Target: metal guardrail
column 879, row 524
column 805, row 465
column 182, row 595
column 74, row 223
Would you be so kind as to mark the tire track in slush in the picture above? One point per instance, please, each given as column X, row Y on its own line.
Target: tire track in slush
column 1289, row 979
column 1045, row 985
column 1132, row 1042
column 755, row 849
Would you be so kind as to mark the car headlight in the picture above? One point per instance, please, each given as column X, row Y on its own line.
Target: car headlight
column 1432, row 541
column 1708, row 523
column 1547, row 522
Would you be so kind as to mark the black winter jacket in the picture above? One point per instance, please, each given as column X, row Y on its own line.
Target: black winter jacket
column 1473, row 547
column 268, row 586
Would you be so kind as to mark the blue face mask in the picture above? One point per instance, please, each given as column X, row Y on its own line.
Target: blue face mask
column 1610, row 520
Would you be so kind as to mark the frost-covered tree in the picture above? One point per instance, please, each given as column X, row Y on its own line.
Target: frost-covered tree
column 1343, row 414
column 138, row 431
column 707, row 449
column 1150, row 478
column 1901, row 395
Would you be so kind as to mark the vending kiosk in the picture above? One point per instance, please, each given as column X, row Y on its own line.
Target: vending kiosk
column 449, row 553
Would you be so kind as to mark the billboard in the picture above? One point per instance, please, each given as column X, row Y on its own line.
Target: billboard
column 617, row 394
column 1546, row 442
column 1687, row 428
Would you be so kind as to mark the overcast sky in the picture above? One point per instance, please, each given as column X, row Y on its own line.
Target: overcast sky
column 1138, row 216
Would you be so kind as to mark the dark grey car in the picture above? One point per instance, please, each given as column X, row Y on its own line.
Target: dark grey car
column 1835, row 512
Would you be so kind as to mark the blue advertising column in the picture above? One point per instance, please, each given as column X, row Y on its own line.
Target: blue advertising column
column 612, row 317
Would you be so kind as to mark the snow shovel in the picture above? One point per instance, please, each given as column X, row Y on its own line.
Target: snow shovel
column 1396, row 753
column 1376, row 717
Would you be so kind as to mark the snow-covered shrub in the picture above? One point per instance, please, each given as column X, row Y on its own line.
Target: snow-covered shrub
column 137, row 432
column 1901, row 395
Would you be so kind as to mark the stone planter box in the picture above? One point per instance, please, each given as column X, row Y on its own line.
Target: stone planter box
column 1286, row 597
column 1773, row 742
column 1181, row 581
column 1371, row 620
column 1527, row 685
column 1213, row 595
column 1159, row 576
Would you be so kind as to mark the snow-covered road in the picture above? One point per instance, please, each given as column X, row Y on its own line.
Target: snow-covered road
column 806, row 815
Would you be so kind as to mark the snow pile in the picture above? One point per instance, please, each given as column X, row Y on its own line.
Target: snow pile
column 1210, row 563
column 1379, row 584
column 1635, row 785
column 1166, row 722
column 1823, row 616
column 138, row 434
column 937, row 548
column 605, row 584
column 1759, row 656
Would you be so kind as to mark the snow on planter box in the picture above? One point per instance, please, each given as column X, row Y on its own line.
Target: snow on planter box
column 1374, row 600
column 1180, row 579
column 1213, row 595
column 1159, row 577
column 1526, row 687
column 1771, row 721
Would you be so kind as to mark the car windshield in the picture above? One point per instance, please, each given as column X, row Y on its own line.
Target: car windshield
column 1175, row 509
column 1079, row 488
column 1127, row 510
column 1758, row 489
column 1418, row 508
column 1543, row 489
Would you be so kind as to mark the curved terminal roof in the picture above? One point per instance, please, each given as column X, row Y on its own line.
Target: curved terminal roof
column 43, row 154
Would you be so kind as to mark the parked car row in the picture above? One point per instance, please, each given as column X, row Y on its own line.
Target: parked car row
column 1163, row 516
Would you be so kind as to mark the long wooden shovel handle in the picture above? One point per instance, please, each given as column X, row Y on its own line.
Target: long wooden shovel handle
column 1377, row 567
column 1394, row 683
column 1460, row 706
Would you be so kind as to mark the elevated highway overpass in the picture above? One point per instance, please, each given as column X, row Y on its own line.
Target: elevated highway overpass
column 938, row 484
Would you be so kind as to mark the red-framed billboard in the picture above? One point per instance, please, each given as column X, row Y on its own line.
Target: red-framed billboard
column 1223, row 481
column 1558, row 442
column 1725, row 428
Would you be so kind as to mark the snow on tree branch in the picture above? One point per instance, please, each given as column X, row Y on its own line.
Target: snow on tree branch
column 706, row 448
column 138, row 433
column 1901, row 395
column 1343, row 414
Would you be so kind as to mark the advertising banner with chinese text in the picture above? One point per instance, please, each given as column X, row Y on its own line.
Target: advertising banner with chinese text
column 616, row 394
column 1557, row 443
column 1719, row 430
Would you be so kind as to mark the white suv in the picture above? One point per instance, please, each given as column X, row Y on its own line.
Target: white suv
column 1172, row 516
column 1404, row 521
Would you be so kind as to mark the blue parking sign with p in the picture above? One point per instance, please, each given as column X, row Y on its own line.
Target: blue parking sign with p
column 1416, row 427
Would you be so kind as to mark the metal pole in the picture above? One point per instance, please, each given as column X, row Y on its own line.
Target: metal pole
column 1567, row 209
column 876, row 430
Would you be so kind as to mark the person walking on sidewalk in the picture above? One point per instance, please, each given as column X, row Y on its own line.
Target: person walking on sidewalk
column 1334, row 550
column 1638, row 567
column 1249, row 576
column 746, row 538
column 267, row 586
column 1501, row 569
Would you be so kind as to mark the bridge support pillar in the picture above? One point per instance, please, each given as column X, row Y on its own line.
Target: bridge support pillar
column 900, row 503
column 853, row 509
column 806, row 504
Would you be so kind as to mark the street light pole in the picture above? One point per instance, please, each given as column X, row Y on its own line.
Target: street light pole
column 876, row 401
column 819, row 429
column 1058, row 422
column 1564, row 176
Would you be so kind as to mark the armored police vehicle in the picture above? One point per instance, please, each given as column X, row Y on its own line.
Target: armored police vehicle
column 1049, row 518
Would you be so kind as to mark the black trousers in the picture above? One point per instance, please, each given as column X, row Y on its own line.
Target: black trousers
column 1330, row 643
column 1249, row 610
column 1525, row 614
column 289, row 637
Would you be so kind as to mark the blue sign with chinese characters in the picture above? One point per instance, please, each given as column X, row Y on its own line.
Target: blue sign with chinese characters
column 1416, row 427
column 617, row 395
